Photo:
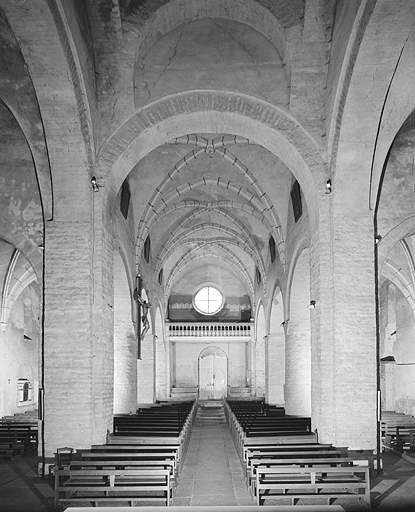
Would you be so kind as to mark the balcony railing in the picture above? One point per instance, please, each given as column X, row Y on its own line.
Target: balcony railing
column 209, row 330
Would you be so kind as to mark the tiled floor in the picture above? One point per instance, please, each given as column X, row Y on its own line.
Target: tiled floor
column 394, row 490
column 212, row 475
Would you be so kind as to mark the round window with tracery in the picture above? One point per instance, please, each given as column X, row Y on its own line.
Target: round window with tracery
column 208, row 300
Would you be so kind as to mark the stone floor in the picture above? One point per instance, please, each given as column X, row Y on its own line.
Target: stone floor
column 211, row 476
column 212, row 473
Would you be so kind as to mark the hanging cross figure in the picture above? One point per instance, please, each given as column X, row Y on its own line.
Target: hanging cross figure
column 145, row 307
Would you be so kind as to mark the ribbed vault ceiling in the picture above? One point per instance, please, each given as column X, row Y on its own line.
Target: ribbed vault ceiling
column 206, row 199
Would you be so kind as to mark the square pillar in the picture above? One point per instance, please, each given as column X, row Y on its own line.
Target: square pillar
column 344, row 370
column 78, row 360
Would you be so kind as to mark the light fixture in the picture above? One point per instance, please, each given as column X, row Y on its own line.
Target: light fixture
column 94, row 184
column 328, row 187
column 312, row 304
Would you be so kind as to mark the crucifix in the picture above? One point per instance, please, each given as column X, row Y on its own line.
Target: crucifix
column 143, row 307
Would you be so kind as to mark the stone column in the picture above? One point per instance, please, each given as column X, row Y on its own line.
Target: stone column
column 78, row 347
column 343, row 323
column 146, row 370
column 68, row 336
column 298, row 341
column 297, row 362
column 125, row 343
column 276, row 367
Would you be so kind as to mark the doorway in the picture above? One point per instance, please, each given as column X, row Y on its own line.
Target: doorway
column 213, row 374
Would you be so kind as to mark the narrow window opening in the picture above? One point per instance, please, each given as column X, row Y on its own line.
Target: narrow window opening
column 125, row 198
column 296, row 201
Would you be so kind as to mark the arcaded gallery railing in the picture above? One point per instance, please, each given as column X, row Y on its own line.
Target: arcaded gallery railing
column 209, row 329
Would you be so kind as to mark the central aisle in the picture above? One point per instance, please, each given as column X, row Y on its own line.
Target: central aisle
column 212, row 472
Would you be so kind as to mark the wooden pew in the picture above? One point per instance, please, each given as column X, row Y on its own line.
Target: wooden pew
column 161, row 436
column 168, row 457
column 146, row 444
column 392, row 418
column 170, row 418
column 267, row 435
column 23, row 434
column 288, row 456
column 10, row 444
column 106, row 485
column 150, row 431
column 304, row 461
column 303, row 469
column 328, row 483
column 284, row 448
column 142, row 448
column 268, row 429
column 260, row 416
column 154, row 439
column 133, row 463
column 399, row 436
column 397, row 432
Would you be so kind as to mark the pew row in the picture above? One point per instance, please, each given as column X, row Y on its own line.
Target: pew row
column 16, row 438
column 312, row 483
column 165, row 458
column 290, row 464
column 397, row 430
column 103, row 485
column 11, row 445
column 262, row 429
column 135, row 466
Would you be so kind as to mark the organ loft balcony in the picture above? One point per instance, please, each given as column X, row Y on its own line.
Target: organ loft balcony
column 207, row 331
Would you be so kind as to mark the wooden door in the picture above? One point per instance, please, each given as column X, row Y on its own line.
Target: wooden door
column 220, row 374
column 213, row 373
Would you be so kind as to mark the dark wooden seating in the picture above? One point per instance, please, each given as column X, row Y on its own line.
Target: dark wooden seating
column 141, row 461
column 160, row 420
column 24, row 432
column 167, row 457
column 255, row 422
column 282, row 458
column 305, row 461
column 112, row 486
column 141, row 448
column 16, row 438
column 18, row 433
column 270, row 448
column 160, row 462
column 25, row 417
column 166, row 423
column 287, row 457
column 11, row 445
column 317, row 483
column 399, row 436
column 396, row 429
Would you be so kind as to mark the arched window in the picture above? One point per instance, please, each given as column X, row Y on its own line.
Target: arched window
column 24, row 391
column 147, row 245
column 272, row 248
column 296, row 201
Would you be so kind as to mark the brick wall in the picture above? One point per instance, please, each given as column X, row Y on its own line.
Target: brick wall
column 125, row 343
column 276, row 352
column 298, row 342
column 146, row 370
column 260, row 353
column 68, row 336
